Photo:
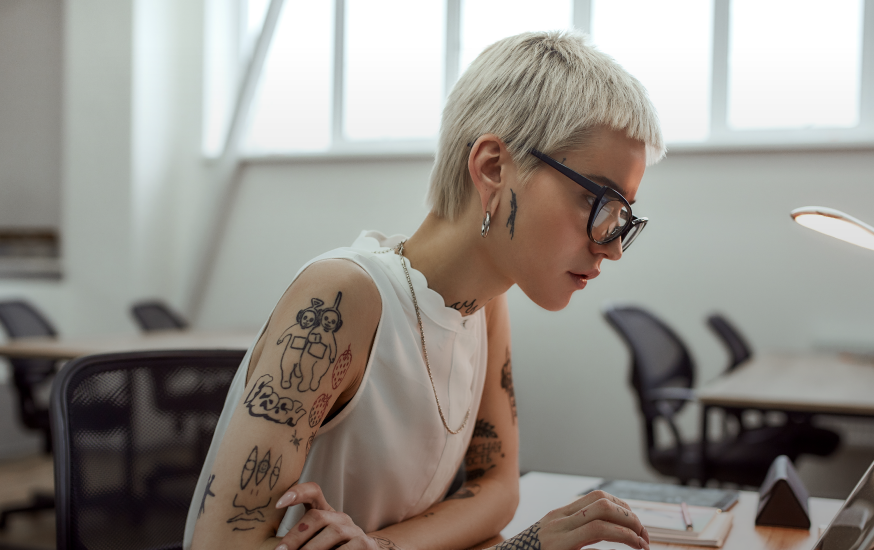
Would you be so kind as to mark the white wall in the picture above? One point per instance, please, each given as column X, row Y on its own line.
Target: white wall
column 720, row 239
column 136, row 195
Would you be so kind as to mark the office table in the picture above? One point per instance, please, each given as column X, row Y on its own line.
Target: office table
column 542, row 492
column 69, row 348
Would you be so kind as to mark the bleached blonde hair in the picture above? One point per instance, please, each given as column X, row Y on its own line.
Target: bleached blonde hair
column 543, row 90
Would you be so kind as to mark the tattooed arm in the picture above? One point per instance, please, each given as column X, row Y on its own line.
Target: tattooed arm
column 308, row 362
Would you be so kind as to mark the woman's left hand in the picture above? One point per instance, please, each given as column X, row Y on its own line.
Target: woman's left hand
column 321, row 527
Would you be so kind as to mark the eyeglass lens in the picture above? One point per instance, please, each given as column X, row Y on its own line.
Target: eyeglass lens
column 610, row 220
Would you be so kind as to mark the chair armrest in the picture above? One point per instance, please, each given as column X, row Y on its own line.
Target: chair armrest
column 671, row 394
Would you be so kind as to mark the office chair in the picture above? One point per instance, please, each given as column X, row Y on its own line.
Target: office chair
column 820, row 441
column 131, row 432
column 156, row 315
column 662, row 375
column 19, row 319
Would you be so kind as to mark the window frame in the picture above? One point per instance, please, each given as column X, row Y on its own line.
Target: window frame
column 721, row 136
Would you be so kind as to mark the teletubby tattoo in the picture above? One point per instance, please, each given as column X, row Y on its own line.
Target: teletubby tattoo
column 296, row 340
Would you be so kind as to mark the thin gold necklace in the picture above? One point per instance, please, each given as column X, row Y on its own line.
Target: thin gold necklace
column 400, row 249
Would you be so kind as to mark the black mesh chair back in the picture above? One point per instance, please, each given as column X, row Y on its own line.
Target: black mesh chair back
column 738, row 349
column 156, row 315
column 131, row 432
column 21, row 320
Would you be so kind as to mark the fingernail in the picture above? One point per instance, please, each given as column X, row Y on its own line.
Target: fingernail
column 286, row 499
column 643, row 544
column 282, row 547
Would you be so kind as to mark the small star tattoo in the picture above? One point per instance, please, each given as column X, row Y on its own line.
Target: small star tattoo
column 296, row 440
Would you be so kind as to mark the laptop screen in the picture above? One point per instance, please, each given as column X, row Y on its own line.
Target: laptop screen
column 853, row 526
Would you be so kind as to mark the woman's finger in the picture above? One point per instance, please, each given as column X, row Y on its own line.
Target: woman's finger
column 603, row 510
column 600, row 530
column 588, row 499
column 309, row 494
column 308, row 527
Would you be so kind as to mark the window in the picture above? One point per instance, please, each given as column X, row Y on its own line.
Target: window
column 720, row 72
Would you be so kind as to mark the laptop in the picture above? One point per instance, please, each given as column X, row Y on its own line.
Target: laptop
column 853, row 526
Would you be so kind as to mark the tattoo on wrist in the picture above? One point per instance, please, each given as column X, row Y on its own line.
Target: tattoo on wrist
column 511, row 221
column 386, row 544
column 529, row 539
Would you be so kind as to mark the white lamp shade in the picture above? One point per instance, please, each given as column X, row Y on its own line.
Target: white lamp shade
column 836, row 224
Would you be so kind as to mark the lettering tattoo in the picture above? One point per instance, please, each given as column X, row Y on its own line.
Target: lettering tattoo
column 207, row 492
column 264, row 402
column 320, row 407
column 468, row 307
column 507, row 384
column 477, row 473
column 386, row 544
column 484, row 429
column 248, row 499
column 469, row 491
column 480, row 454
column 529, row 539
column 310, row 345
column 511, row 221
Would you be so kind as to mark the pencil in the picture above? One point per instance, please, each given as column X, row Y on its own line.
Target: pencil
column 687, row 519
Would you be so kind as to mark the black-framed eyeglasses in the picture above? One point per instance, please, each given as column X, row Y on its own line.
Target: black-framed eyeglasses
column 610, row 217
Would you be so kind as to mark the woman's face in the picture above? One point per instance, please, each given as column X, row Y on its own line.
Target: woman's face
column 550, row 251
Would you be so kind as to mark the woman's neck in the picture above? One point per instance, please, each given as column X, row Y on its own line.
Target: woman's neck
column 456, row 261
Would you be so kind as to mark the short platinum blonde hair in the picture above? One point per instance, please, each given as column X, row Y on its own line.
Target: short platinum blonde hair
column 542, row 90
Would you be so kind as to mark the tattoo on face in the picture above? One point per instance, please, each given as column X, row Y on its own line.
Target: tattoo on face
column 469, row 491
column 207, row 492
column 252, row 478
column 484, row 429
column 529, row 539
column 386, row 544
column 310, row 345
column 507, row 384
column 320, row 407
column 264, row 402
column 477, row 473
column 468, row 307
column 511, row 221
column 480, row 454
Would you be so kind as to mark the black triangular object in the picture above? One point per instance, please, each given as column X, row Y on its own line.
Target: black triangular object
column 783, row 497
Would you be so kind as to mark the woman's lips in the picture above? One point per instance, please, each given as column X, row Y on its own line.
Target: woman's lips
column 580, row 279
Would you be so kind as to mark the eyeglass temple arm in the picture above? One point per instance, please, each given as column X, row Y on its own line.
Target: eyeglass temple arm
column 588, row 185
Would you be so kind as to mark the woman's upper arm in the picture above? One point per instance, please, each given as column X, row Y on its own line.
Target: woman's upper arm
column 310, row 359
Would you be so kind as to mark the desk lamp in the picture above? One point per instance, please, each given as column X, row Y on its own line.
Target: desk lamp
column 836, row 224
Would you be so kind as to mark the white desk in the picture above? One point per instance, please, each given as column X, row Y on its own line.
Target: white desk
column 541, row 493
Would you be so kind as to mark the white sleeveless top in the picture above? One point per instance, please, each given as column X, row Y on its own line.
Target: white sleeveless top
column 386, row 456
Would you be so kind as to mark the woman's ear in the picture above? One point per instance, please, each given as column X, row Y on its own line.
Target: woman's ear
column 489, row 165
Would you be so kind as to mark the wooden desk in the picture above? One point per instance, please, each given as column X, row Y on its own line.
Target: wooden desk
column 813, row 383
column 69, row 348
column 541, row 492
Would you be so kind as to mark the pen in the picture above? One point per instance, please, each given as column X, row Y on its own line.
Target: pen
column 687, row 519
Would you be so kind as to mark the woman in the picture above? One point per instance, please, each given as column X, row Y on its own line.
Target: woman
column 387, row 364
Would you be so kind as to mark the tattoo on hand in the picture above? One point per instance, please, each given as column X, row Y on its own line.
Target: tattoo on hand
column 484, row 429
column 469, row 491
column 252, row 476
column 310, row 345
column 511, row 221
column 529, row 539
column 320, row 407
column 507, row 384
column 468, row 307
column 477, row 473
column 383, row 542
column 263, row 402
column 207, row 492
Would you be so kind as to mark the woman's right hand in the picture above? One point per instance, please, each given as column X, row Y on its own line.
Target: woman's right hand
column 598, row 516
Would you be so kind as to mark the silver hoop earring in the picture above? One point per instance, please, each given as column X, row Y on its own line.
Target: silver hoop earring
column 486, row 222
